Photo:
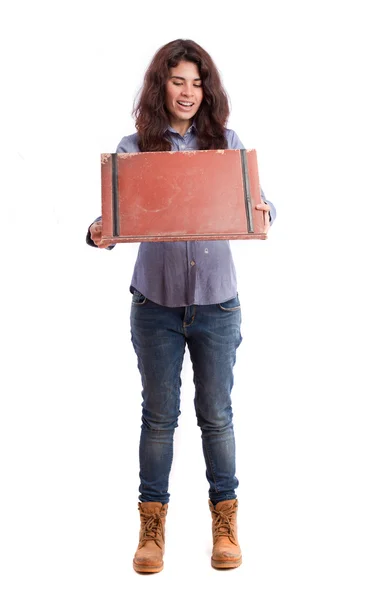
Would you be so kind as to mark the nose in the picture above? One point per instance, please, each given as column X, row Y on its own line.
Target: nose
column 187, row 91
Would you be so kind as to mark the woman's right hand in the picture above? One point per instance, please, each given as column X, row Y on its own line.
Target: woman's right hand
column 96, row 234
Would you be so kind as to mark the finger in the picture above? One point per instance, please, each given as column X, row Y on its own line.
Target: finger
column 263, row 206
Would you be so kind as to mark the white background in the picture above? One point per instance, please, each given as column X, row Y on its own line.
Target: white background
column 70, row 403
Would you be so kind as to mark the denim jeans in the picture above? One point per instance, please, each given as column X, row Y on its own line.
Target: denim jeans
column 159, row 336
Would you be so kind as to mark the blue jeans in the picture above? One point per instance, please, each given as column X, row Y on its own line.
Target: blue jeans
column 159, row 336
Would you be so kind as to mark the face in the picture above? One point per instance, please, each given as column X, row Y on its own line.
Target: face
column 183, row 95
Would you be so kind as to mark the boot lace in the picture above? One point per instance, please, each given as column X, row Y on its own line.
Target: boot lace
column 151, row 529
column 222, row 524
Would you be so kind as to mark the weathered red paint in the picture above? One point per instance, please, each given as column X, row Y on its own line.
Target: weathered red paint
column 181, row 196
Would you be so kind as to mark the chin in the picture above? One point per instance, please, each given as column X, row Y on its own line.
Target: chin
column 185, row 117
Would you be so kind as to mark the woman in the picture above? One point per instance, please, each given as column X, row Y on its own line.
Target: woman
column 184, row 293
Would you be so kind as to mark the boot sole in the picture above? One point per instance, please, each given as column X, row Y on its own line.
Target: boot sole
column 226, row 564
column 147, row 569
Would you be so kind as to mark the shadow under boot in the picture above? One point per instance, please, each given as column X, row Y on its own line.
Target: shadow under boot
column 149, row 555
column 226, row 553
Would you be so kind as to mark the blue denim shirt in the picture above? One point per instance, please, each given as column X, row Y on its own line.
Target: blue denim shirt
column 185, row 273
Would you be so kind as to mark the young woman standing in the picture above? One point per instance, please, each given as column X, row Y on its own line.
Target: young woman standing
column 184, row 294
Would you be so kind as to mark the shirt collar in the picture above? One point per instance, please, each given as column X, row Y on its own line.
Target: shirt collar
column 192, row 129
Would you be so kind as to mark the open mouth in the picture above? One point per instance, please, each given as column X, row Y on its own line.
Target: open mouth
column 186, row 104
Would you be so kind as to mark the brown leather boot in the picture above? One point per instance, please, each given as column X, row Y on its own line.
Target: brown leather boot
column 226, row 553
column 151, row 547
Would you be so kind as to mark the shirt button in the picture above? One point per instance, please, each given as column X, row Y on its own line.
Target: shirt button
column 192, row 262
column 182, row 146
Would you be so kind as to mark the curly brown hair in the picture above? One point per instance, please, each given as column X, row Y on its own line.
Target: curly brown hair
column 151, row 115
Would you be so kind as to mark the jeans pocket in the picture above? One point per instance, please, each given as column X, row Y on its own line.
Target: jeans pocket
column 230, row 305
column 138, row 299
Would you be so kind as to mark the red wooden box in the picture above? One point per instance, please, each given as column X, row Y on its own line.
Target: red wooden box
column 180, row 196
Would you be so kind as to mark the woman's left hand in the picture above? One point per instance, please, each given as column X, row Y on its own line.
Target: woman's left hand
column 263, row 206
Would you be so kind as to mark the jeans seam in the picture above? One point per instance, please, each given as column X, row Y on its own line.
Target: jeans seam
column 210, row 462
column 192, row 319
column 139, row 303
column 234, row 309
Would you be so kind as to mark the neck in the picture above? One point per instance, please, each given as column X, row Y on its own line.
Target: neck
column 181, row 127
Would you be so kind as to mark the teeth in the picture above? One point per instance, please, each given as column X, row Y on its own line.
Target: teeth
column 186, row 103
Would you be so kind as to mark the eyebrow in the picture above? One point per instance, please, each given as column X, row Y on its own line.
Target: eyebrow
column 183, row 78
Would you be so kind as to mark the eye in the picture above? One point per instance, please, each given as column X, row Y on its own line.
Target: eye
column 176, row 83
